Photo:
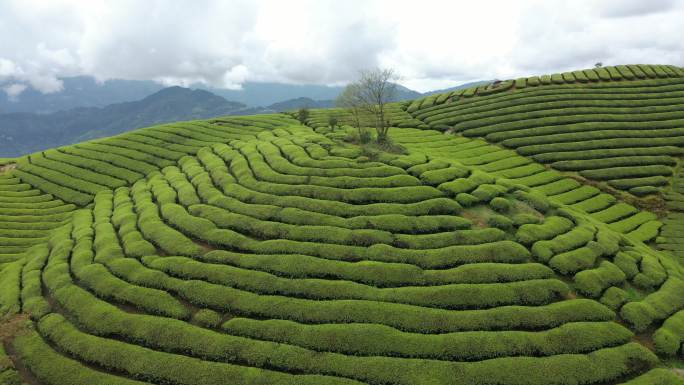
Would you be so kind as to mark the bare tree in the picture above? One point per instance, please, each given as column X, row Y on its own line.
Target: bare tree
column 374, row 89
column 349, row 100
column 378, row 87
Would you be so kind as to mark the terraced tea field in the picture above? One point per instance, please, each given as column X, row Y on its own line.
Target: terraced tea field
column 256, row 250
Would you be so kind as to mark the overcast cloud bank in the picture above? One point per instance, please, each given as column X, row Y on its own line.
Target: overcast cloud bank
column 431, row 44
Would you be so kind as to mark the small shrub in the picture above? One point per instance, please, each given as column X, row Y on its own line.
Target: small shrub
column 500, row 204
column 500, row 222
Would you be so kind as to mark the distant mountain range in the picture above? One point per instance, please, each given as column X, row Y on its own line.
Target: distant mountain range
column 82, row 91
column 22, row 132
column 85, row 109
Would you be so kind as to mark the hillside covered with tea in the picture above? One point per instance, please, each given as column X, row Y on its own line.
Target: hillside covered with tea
column 526, row 232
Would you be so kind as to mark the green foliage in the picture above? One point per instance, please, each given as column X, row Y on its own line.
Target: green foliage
column 207, row 318
column 656, row 306
column 258, row 250
column 551, row 227
column 594, row 281
column 500, row 222
column 501, row 205
column 376, row 340
column 614, row 298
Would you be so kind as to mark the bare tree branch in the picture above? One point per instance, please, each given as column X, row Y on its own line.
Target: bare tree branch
column 373, row 90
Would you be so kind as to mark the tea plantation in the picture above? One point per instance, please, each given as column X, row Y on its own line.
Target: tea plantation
column 531, row 233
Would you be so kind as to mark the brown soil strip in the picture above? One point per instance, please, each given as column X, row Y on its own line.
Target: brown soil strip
column 205, row 246
column 479, row 221
column 645, row 339
column 7, row 167
column 9, row 329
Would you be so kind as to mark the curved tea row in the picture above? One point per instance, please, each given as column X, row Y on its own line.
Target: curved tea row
column 272, row 261
column 624, row 132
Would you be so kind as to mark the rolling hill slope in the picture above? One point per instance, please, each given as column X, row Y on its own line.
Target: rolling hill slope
column 528, row 235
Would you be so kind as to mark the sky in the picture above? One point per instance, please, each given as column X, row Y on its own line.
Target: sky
column 431, row 44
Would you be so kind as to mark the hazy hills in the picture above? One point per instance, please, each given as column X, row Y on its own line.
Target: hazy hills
column 82, row 91
column 28, row 132
column 86, row 109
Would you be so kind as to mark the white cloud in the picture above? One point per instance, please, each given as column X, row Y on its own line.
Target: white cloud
column 13, row 90
column 431, row 43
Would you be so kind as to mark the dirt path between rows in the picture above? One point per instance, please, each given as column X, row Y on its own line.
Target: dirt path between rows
column 7, row 167
column 9, row 329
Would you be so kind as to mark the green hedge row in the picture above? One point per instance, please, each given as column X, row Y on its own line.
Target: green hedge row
column 523, row 122
column 644, row 92
column 159, row 149
column 581, row 129
column 52, row 368
column 220, row 218
column 464, row 185
column 652, row 273
column 48, row 165
column 500, row 251
column 660, row 376
column 121, row 155
column 33, row 209
column 105, row 319
column 577, row 260
column 591, row 155
column 669, row 337
column 66, row 194
column 432, row 165
column 95, row 165
column 594, row 281
column 577, row 237
column 437, row 177
column 414, row 318
column 615, row 213
column 656, row 306
column 553, row 97
column 629, row 224
column 378, row 274
column 592, row 135
column 597, row 203
column 264, row 172
column 550, row 228
column 185, row 191
column 614, row 298
column 125, row 220
column 538, row 180
column 639, row 182
column 29, row 203
column 646, row 232
column 154, row 229
column 452, row 296
column 409, row 194
column 222, row 178
column 621, row 161
column 599, row 144
column 465, row 120
column 627, row 172
column 283, row 157
column 10, row 284
column 478, row 126
column 577, row 195
column 56, row 182
column 377, row 340
column 151, row 365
